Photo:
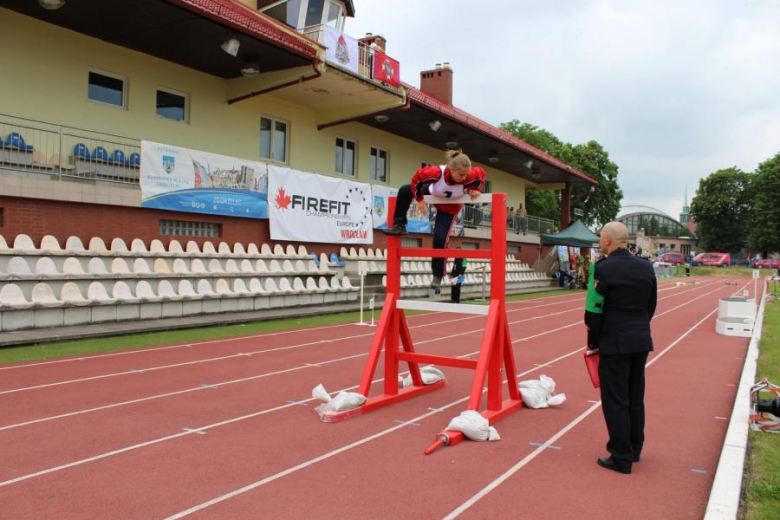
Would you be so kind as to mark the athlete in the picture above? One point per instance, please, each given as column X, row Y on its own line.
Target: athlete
column 451, row 181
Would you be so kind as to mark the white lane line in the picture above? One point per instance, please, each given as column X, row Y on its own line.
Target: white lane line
column 575, row 298
column 135, row 401
column 531, row 456
column 360, row 442
column 253, row 415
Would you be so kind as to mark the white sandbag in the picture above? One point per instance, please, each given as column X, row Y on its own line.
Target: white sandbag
column 429, row 375
column 474, row 426
column 540, row 393
column 342, row 402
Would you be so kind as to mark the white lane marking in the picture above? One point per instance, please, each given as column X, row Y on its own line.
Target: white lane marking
column 531, row 456
column 575, row 298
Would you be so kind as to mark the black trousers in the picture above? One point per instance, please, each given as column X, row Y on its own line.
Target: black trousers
column 441, row 228
column 623, row 401
column 455, row 294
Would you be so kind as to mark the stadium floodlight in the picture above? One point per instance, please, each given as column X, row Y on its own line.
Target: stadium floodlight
column 51, row 5
column 529, row 164
column 435, row 125
column 250, row 69
column 231, row 46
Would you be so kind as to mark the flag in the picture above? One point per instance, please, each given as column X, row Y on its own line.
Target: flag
column 386, row 69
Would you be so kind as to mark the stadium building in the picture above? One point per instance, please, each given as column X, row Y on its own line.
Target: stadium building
column 85, row 82
column 655, row 232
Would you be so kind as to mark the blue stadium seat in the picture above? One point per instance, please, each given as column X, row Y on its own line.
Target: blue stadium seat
column 15, row 141
column 80, row 151
column 315, row 258
column 335, row 260
column 135, row 160
column 118, row 157
column 100, row 154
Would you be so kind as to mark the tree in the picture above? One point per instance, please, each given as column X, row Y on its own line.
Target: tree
column 721, row 209
column 601, row 205
column 764, row 221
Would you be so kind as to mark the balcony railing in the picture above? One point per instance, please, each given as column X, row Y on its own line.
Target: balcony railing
column 475, row 217
column 365, row 57
column 67, row 152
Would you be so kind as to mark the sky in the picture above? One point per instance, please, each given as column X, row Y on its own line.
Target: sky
column 673, row 89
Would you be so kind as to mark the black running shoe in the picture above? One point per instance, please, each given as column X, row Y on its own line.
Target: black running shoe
column 396, row 230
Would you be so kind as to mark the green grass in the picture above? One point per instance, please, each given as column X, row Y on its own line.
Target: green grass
column 763, row 479
column 728, row 272
column 137, row 341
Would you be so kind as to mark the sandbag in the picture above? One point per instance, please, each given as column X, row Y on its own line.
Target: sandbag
column 540, row 393
column 474, row 426
column 429, row 375
column 342, row 402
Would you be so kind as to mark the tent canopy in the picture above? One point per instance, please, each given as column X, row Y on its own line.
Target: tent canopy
column 576, row 235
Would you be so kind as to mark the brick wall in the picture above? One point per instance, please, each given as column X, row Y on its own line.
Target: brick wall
column 37, row 217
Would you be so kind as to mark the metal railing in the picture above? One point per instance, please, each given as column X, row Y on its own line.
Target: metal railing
column 64, row 152
column 474, row 217
column 365, row 57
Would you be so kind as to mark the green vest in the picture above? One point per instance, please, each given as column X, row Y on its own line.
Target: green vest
column 594, row 302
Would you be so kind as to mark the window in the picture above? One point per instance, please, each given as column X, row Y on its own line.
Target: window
column 107, row 88
column 378, row 164
column 186, row 228
column 314, row 12
column 286, row 12
column 512, row 249
column 469, row 245
column 172, row 105
column 345, row 156
column 411, row 242
column 333, row 15
column 273, row 139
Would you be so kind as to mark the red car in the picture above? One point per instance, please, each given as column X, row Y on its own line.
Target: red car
column 769, row 263
column 712, row 259
column 672, row 258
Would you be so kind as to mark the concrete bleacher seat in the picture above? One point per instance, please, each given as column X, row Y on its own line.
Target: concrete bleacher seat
column 50, row 245
column 24, row 244
column 161, row 266
column 265, row 251
column 175, row 248
column 70, row 294
column 12, row 297
column 43, row 295
column 96, row 245
column 74, row 246
column 180, row 267
column 198, row 267
column 231, row 267
column 141, row 267
column 205, row 289
column 224, row 249
column 45, row 268
column 97, row 267
column 362, row 253
column 121, row 291
column 252, row 250
column 72, row 268
column 290, row 252
column 119, row 266
column 187, row 290
column 19, row 269
column 166, row 291
column 302, row 251
column 209, row 249
column 118, row 246
column 144, row 291
column 215, row 266
column 238, row 249
column 193, row 249
column 97, row 293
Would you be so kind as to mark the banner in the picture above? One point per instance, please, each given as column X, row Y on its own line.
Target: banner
column 417, row 223
column 179, row 179
column 306, row 207
column 386, row 69
column 341, row 50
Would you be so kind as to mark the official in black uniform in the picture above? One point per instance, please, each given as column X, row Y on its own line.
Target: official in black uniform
column 630, row 292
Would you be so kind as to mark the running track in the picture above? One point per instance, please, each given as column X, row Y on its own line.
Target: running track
column 226, row 428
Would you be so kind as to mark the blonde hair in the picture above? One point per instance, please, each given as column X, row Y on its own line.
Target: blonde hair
column 457, row 159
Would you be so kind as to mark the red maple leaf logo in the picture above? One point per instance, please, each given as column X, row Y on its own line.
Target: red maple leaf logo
column 282, row 199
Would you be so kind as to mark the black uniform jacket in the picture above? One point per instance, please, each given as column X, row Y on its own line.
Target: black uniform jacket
column 630, row 292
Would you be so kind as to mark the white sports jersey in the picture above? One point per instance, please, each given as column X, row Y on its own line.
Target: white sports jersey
column 441, row 189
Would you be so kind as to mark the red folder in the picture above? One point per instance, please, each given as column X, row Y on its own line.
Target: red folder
column 592, row 364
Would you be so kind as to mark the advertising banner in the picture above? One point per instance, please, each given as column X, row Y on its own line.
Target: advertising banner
column 341, row 50
column 417, row 223
column 305, row 207
column 386, row 69
column 179, row 179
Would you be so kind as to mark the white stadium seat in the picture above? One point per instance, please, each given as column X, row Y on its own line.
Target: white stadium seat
column 12, row 297
column 70, row 294
column 24, row 244
column 51, row 245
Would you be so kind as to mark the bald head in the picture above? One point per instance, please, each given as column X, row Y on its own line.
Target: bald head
column 614, row 235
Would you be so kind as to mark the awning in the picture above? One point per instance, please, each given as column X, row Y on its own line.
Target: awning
column 576, row 235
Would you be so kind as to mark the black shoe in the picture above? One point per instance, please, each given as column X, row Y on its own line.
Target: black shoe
column 609, row 463
column 396, row 230
column 635, row 458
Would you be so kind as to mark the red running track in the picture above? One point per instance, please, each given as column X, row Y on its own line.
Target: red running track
column 103, row 437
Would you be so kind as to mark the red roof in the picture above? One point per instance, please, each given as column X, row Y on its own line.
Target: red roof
column 251, row 23
column 455, row 114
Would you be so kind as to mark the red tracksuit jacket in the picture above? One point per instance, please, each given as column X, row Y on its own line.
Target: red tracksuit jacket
column 429, row 175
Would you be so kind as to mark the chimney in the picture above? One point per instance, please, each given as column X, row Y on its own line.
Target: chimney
column 438, row 82
column 369, row 38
